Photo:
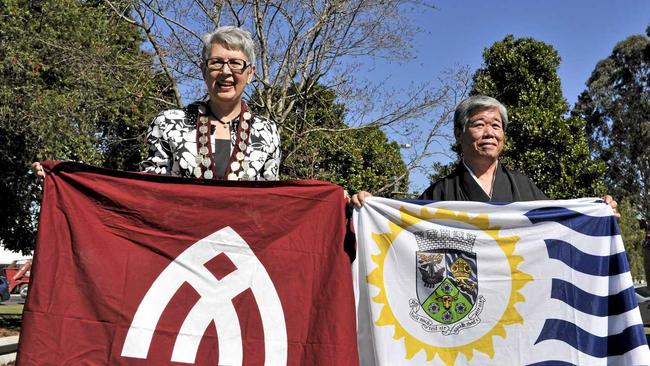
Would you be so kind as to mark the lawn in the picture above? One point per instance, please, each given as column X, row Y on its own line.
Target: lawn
column 11, row 317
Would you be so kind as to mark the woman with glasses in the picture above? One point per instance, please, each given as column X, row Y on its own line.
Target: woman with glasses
column 219, row 138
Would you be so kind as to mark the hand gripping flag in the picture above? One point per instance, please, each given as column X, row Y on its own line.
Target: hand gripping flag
column 468, row 283
column 138, row 269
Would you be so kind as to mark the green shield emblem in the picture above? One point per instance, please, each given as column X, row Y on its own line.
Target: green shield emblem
column 447, row 283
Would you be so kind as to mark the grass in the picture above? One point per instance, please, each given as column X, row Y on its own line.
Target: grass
column 11, row 318
column 16, row 309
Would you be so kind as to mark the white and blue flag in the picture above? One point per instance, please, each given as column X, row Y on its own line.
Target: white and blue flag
column 468, row 283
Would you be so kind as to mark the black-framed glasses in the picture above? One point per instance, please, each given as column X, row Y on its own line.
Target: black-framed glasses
column 234, row 64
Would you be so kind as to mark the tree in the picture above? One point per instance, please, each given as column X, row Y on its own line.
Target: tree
column 633, row 237
column 616, row 106
column 542, row 143
column 75, row 86
column 304, row 46
column 354, row 158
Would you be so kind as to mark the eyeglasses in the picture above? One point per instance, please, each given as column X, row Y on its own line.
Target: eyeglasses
column 235, row 64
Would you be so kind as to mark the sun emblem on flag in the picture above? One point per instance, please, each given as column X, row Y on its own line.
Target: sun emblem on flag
column 446, row 285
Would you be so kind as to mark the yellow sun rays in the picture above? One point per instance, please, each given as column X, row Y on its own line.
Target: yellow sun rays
column 413, row 345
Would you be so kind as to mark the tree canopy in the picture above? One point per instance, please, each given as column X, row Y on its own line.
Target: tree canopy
column 633, row 237
column 616, row 106
column 75, row 85
column 541, row 142
column 317, row 144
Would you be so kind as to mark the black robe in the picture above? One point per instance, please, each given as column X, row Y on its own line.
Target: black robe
column 509, row 186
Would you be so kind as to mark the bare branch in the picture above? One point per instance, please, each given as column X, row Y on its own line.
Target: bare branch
column 304, row 45
column 159, row 53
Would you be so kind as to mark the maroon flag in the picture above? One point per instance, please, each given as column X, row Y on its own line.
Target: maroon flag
column 138, row 269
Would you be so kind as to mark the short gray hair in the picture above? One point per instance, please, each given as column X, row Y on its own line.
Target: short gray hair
column 473, row 104
column 232, row 38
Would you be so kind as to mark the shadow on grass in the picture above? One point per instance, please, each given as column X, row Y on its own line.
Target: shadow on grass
column 10, row 324
column 10, row 321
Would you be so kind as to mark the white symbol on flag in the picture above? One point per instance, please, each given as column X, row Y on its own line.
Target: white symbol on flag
column 215, row 303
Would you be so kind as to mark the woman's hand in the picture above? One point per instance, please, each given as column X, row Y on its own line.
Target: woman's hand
column 359, row 198
column 37, row 168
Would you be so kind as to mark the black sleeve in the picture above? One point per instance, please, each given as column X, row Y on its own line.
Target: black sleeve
column 427, row 194
column 438, row 191
column 526, row 189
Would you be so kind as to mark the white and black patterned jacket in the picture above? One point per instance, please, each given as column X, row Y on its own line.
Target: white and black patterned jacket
column 172, row 145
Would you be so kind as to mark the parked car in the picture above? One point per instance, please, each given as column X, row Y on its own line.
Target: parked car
column 4, row 289
column 17, row 274
column 643, row 298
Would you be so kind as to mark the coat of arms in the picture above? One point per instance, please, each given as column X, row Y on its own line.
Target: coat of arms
column 446, row 281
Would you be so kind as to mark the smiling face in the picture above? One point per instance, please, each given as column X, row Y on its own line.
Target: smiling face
column 225, row 86
column 483, row 137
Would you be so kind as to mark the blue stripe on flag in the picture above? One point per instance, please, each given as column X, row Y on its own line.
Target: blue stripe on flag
column 593, row 304
column 426, row 202
column 583, row 341
column 415, row 201
column 552, row 363
column 584, row 224
column 586, row 263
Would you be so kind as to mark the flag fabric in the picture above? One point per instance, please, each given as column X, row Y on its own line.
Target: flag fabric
column 139, row 269
column 469, row 283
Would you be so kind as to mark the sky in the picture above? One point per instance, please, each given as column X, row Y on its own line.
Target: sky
column 457, row 31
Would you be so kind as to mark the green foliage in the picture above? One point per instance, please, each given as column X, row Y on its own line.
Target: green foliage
column 441, row 170
column 616, row 106
column 317, row 144
column 74, row 86
column 541, row 142
column 360, row 159
column 633, row 237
